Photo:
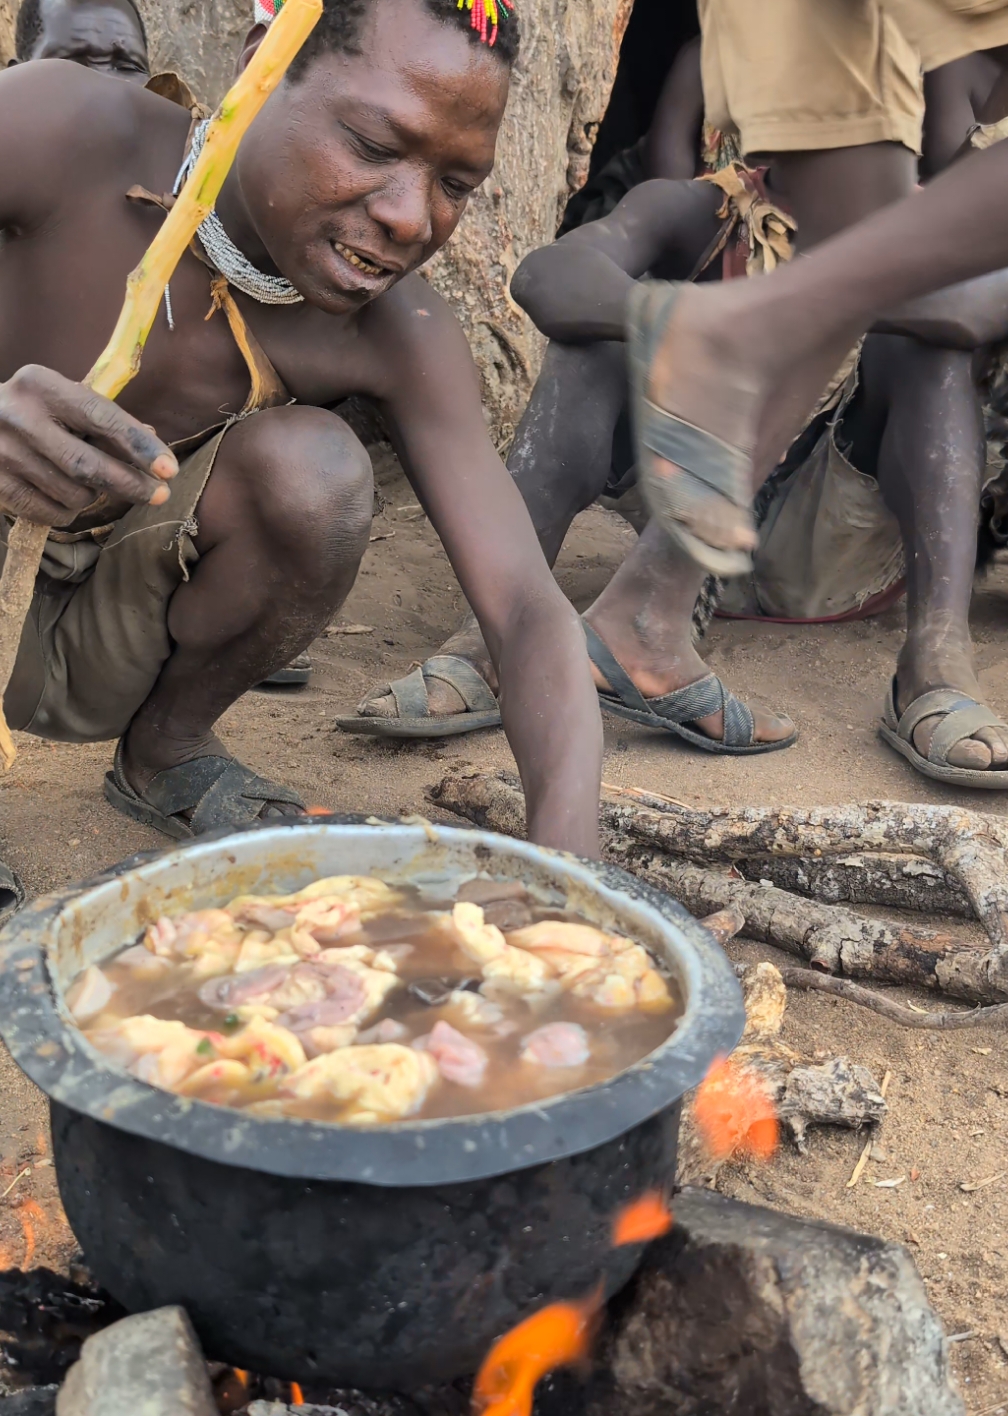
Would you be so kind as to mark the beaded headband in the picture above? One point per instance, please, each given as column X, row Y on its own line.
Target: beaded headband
column 484, row 14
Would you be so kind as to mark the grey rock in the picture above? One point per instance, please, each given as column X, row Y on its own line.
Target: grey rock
column 38, row 1401
column 146, row 1365
column 742, row 1311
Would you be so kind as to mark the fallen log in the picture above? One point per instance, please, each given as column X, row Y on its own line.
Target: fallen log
column 831, row 938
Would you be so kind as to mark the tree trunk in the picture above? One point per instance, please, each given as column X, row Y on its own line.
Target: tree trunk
column 7, row 11
column 558, row 97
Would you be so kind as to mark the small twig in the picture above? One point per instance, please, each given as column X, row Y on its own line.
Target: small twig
column 725, row 924
column 808, row 979
column 858, row 1170
column 14, row 1182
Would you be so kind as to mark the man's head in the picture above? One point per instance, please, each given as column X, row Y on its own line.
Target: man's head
column 361, row 165
column 107, row 35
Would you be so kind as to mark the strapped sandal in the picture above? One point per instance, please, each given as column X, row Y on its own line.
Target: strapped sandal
column 414, row 718
column 964, row 716
column 674, row 710
column 709, row 468
column 297, row 672
column 12, row 892
column 205, row 794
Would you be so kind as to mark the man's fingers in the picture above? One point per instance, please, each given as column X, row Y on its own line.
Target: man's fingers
column 18, row 498
column 86, row 465
column 90, row 415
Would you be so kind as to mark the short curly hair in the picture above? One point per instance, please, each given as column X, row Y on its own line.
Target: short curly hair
column 29, row 28
column 341, row 20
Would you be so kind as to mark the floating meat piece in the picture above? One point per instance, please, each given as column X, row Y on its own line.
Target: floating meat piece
column 628, row 979
column 564, row 937
column 474, row 1009
column 221, row 1082
column 267, row 1049
column 318, row 1040
column 370, row 895
column 156, row 1050
column 263, row 913
column 459, row 1058
column 329, row 1013
column 258, row 949
column 142, row 963
column 89, row 994
column 194, row 931
column 520, row 970
column 224, row 995
column 328, row 920
column 160, row 938
column 508, row 915
column 383, row 1082
column 306, row 984
column 388, row 1030
column 557, row 1045
column 349, row 953
column 378, row 984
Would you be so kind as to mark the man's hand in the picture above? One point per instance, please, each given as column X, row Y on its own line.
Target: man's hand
column 50, row 466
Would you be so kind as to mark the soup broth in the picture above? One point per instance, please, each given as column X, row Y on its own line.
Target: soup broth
column 359, row 1003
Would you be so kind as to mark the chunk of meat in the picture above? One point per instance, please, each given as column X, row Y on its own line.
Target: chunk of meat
column 382, row 1082
column 327, row 1013
column 89, row 994
column 507, row 915
column 224, row 995
column 520, row 971
column 459, row 1058
column 157, row 1050
column 628, row 979
column 481, row 890
column 322, row 1039
column 388, row 1030
column 267, row 1049
column 328, row 920
column 473, row 1009
column 557, row 1045
column 563, row 935
column 303, row 984
column 258, row 949
column 142, row 963
column 160, row 938
column 200, row 929
column 370, row 895
column 217, row 956
column 348, row 953
column 263, row 913
column 222, row 1082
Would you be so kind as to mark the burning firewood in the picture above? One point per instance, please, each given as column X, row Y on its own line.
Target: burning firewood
column 665, row 844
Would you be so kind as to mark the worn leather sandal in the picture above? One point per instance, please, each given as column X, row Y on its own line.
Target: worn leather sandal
column 205, row 794
column 414, row 718
column 964, row 716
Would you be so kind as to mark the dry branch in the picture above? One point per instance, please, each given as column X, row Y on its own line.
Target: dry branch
column 810, row 981
column 829, row 937
column 120, row 360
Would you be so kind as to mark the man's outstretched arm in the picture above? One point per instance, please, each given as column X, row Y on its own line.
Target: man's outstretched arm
column 548, row 701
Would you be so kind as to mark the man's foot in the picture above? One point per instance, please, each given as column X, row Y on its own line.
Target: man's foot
column 199, row 793
column 761, row 728
column 452, row 692
column 974, row 741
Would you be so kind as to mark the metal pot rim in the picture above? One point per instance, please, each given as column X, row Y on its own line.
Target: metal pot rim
column 57, row 1057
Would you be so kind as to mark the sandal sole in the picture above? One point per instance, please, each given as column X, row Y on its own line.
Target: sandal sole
column 989, row 780
column 137, row 809
column 700, row 740
column 411, row 728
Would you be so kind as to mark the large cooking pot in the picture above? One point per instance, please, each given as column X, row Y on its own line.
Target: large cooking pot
column 382, row 1258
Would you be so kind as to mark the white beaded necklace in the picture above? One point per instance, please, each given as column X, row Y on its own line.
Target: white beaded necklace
column 234, row 266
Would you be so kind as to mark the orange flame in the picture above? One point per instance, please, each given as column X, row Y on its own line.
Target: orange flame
column 297, row 1395
column 557, row 1336
column 242, row 1376
column 26, row 1212
column 318, row 811
column 735, row 1113
column 642, row 1220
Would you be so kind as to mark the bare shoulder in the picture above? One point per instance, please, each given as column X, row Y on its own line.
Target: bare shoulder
column 68, row 126
column 415, row 335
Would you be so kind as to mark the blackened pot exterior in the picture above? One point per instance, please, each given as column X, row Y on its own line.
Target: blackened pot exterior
column 358, row 1286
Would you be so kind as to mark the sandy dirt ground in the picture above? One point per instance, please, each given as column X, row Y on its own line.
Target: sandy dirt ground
column 948, row 1120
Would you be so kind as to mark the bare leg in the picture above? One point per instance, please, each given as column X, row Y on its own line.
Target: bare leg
column 916, row 425
column 284, row 522
column 560, row 460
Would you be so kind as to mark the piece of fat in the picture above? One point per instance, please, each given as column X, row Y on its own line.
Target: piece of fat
column 376, row 1083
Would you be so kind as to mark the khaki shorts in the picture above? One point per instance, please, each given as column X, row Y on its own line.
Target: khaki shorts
column 792, row 75
column 943, row 30
column 97, row 634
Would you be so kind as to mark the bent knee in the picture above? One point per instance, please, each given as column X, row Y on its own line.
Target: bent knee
column 306, row 477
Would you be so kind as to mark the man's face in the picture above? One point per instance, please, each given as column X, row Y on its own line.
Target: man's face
column 100, row 34
column 359, row 169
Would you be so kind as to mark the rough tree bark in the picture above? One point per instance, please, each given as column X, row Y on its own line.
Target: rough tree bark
column 7, row 10
column 558, row 97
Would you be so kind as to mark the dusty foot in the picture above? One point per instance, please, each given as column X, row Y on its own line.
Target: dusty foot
column 922, row 668
column 685, row 667
column 445, row 701
column 143, row 757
